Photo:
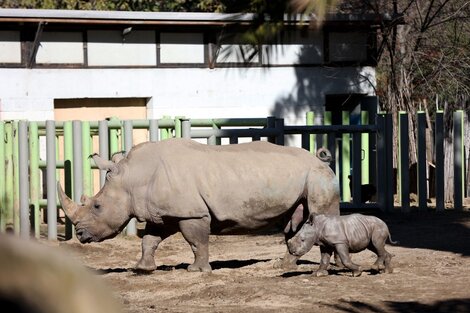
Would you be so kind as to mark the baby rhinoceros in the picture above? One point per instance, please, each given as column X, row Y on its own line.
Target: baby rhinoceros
column 342, row 235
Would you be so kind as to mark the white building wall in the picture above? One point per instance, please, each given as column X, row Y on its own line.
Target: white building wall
column 286, row 92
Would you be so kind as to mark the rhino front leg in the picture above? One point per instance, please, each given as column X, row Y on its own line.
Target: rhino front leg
column 326, row 253
column 154, row 234
column 196, row 232
column 343, row 252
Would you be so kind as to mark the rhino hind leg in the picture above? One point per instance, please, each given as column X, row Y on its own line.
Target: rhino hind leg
column 196, row 232
column 383, row 262
column 150, row 241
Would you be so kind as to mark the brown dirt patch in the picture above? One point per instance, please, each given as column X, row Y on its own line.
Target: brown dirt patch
column 431, row 273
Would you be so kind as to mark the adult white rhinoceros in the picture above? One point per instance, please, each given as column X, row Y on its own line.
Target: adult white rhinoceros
column 181, row 185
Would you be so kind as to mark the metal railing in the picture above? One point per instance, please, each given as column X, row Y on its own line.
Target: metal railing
column 361, row 152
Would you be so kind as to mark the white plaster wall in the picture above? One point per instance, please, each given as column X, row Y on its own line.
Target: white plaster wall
column 196, row 93
column 10, row 47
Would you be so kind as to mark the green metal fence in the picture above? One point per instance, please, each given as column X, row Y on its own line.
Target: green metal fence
column 38, row 154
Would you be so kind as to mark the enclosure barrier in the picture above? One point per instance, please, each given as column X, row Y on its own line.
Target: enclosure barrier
column 37, row 154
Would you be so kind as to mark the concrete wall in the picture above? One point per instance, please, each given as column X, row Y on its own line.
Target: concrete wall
column 193, row 92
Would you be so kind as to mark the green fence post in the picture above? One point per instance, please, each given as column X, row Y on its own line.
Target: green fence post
column 365, row 160
column 346, row 161
column 2, row 177
column 329, row 141
column 439, row 148
column 16, row 180
column 165, row 132
column 403, row 161
column 35, row 183
column 459, row 159
column 214, row 140
column 68, row 173
column 422, row 163
column 178, row 131
column 9, row 182
column 86, row 163
column 113, row 139
column 311, row 137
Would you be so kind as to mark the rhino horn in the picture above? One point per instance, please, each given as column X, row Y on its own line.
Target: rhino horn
column 70, row 207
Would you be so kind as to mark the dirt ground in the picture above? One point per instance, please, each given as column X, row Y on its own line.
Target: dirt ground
column 431, row 273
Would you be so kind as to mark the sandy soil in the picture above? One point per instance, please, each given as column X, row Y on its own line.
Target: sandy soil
column 431, row 273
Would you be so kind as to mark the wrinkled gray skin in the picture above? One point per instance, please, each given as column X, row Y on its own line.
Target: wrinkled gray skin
column 181, row 185
column 342, row 235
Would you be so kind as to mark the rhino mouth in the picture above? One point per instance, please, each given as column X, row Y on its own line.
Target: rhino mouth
column 84, row 236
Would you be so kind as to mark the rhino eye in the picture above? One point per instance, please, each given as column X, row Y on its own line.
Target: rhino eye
column 96, row 206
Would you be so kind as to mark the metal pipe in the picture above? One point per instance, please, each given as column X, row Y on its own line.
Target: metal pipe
column 403, row 169
column 2, row 177
column 77, row 165
column 227, row 133
column 51, row 181
column 104, row 148
column 153, row 130
column 86, row 165
column 23, row 179
column 346, row 161
column 7, row 213
column 422, row 163
column 459, row 159
column 35, row 183
column 186, row 128
column 325, row 129
column 67, row 165
column 131, row 228
column 16, row 181
column 439, row 134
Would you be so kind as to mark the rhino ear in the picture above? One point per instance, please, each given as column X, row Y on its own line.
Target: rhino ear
column 311, row 218
column 103, row 164
column 118, row 156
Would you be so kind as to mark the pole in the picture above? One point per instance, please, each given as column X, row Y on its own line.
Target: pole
column 51, row 181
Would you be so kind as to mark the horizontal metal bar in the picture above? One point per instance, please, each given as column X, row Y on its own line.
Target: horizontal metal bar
column 204, row 133
column 60, row 164
column 349, row 205
column 323, row 129
column 117, row 124
column 229, row 122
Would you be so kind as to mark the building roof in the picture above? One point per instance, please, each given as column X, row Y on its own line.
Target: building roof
column 169, row 18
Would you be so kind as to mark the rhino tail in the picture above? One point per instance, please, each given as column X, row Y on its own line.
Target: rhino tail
column 391, row 241
column 324, row 155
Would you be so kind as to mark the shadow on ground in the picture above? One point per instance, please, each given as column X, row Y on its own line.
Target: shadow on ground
column 443, row 231
column 445, row 306
column 216, row 265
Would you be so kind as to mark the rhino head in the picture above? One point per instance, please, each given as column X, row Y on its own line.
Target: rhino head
column 305, row 238
column 104, row 215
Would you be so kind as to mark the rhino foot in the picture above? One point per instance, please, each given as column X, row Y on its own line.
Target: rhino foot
column 320, row 273
column 199, row 268
column 145, row 266
column 377, row 267
column 357, row 273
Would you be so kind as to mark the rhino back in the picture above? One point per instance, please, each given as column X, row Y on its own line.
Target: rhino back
column 359, row 229
column 246, row 184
